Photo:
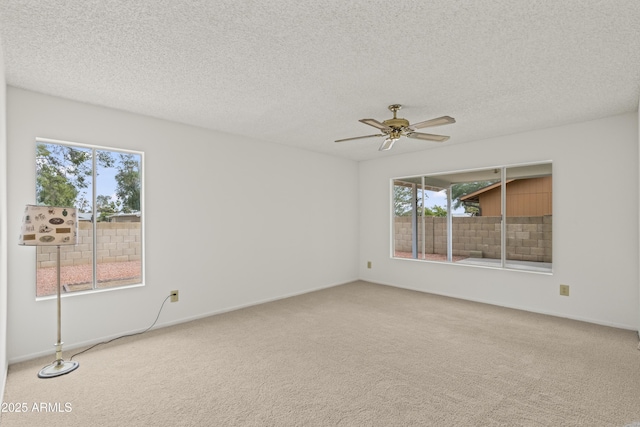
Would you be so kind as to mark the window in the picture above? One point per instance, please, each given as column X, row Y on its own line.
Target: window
column 497, row 217
column 105, row 185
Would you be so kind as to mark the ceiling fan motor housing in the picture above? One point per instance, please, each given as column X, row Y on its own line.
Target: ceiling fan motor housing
column 396, row 123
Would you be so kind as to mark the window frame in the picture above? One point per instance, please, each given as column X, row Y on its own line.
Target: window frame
column 94, row 243
column 504, row 262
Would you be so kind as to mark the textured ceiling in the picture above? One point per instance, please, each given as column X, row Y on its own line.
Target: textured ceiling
column 303, row 73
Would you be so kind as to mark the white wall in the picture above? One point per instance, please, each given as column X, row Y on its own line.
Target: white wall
column 253, row 193
column 275, row 221
column 595, row 176
column 3, row 229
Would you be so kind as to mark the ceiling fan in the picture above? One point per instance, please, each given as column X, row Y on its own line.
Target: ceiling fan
column 396, row 127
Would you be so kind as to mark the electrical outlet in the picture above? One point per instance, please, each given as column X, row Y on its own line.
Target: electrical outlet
column 564, row 290
column 368, row 264
column 174, row 296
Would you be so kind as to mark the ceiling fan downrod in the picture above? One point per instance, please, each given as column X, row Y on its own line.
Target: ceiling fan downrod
column 395, row 123
column 394, row 108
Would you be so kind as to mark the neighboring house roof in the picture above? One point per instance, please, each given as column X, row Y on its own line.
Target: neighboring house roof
column 475, row 196
column 87, row 216
column 122, row 214
column 84, row 216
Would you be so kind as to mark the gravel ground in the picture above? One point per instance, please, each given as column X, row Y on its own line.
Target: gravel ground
column 78, row 277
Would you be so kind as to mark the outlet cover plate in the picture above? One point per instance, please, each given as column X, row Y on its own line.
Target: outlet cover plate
column 564, row 290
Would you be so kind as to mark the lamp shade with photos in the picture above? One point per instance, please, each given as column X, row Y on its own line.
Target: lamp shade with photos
column 51, row 226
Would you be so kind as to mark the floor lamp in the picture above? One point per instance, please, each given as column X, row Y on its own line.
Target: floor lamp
column 51, row 226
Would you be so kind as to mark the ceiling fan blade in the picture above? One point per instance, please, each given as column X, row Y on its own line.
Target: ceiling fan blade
column 427, row 136
column 360, row 137
column 444, row 120
column 374, row 123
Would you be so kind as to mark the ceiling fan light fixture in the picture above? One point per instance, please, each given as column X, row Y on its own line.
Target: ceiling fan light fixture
column 387, row 144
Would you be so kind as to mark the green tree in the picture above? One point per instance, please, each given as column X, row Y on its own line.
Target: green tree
column 462, row 189
column 60, row 172
column 435, row 211
column 403, row 200
column 105, row 207
column 64, row 173
column 128, row 183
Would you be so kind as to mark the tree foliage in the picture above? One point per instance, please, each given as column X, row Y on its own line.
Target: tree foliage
column 64, row 175
column 402, row 200
column 128, row 179
column 61, row 172
column 435, row 211
column 403, row 203
column 105, row 207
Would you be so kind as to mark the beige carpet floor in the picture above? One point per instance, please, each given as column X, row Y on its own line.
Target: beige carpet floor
column 354, row 355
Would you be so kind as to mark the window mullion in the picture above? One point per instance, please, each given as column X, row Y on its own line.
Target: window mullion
column 449, row 225
column 503, row 217
column 94, row 219
column 414, row 221
column 424, row 228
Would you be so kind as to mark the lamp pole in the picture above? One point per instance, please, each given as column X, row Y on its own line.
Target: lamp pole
column 59, row 366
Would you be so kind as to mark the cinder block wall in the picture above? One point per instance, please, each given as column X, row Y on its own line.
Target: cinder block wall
column 528, row 237
column 116, row 242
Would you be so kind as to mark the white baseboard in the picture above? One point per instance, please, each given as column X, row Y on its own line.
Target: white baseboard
column 516, row 307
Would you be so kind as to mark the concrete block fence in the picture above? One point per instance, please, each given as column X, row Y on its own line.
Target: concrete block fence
column 116, row 242
column 528, row 237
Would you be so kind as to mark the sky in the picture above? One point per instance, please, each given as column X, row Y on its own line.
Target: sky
column 439, row 199
column 106, row 182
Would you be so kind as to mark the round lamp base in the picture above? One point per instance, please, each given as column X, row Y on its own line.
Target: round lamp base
column 57, row 368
